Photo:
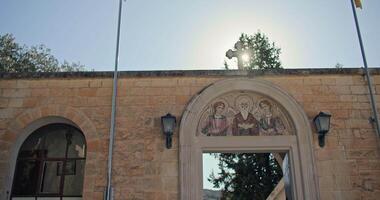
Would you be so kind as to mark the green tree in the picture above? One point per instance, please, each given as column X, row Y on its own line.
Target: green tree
column 260, row 52
column 20, row 58
column 246, row 175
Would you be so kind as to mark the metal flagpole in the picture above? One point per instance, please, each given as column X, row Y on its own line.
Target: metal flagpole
column 369, row 81
column 109, row 189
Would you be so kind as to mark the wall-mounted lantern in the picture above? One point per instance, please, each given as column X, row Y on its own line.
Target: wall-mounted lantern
column 322, row 123
column 168, row 123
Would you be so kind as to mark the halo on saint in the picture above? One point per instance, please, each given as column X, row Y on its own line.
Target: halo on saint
column 218, row 102
column 244, row 102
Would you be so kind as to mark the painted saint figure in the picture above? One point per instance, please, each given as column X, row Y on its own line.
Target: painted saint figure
column 269, row 124
column 216, row 124
column 244, row 122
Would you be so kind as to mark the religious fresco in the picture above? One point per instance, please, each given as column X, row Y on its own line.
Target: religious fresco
column 244, row 113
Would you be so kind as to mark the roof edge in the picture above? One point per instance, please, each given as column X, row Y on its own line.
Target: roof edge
column 184, row 73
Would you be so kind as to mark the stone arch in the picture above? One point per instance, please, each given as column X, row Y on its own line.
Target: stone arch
column 32, row 119
column 300, row 146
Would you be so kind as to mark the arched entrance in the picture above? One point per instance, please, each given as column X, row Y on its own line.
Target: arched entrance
column 244, row 127
column 50, row 164
column 32, row 119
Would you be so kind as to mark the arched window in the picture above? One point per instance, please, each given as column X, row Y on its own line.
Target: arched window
column 50, row 164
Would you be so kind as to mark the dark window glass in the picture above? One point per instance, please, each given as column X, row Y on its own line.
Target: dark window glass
column 77, row 148
column 74, row 182
column 51, row 163
column 50, row 181
column 55, row 143
column 26, row 177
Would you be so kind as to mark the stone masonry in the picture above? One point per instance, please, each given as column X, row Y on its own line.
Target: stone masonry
column 348, row 166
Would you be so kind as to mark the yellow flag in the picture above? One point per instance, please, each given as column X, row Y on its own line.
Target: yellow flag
column 358, row 4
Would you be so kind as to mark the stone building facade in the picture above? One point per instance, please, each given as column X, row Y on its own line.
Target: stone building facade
column 347, row 167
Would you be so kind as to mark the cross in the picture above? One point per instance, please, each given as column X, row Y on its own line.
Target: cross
column 237, row 54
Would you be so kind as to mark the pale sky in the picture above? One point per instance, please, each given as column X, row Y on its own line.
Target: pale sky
column 210, row 164
column 193, row 34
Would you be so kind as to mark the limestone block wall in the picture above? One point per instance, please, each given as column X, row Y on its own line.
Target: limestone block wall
column 85, row 102
column 348, row 167
column 349, row 164
column 144, row 168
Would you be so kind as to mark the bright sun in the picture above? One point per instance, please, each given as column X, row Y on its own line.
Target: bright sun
column 245, row 57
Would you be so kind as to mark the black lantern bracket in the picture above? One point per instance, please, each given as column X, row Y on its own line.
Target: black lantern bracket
column 322, row 124
column 168, row 123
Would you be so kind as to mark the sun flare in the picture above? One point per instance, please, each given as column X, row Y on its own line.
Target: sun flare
column 245, row 57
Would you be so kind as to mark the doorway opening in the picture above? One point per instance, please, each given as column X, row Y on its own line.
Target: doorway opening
column 245, row 175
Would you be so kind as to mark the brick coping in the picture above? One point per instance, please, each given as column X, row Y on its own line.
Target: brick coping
column 188, row 73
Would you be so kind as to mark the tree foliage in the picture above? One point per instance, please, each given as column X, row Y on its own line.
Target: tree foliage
column 263, row 54
column 246, row 175
column 20, row 58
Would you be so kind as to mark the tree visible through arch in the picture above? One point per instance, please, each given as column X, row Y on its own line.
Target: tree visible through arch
column 246, row 175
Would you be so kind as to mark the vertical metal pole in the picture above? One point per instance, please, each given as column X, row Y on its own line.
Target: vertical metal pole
column 369, row 81
column 109, row 191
